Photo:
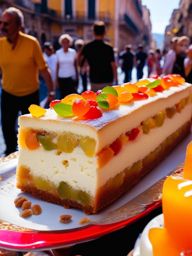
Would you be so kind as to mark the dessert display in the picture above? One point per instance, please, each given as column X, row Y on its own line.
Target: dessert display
column 170, row 233
column 88, row 149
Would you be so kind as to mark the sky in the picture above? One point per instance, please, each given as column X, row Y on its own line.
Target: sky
column 160, row 13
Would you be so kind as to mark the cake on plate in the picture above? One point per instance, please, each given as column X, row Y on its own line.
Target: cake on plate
column 170, row 233
column 88, row 149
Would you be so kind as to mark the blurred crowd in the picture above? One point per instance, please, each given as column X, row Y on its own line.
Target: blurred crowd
column 177, row 59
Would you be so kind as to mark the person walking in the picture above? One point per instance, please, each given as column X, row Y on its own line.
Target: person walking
column 100, row 58
column 83, row 69
column 67, row 71
column 127, row 62
column 181, row 53
column 20, row 63
column 141, row 58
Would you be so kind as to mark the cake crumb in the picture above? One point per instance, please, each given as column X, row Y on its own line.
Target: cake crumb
column 1, row 178
column 65, row 218
column 84, row 220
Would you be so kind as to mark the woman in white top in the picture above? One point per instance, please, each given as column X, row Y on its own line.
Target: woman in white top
column 67, row 73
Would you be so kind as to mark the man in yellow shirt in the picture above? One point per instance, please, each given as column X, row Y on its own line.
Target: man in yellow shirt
column 21, row 60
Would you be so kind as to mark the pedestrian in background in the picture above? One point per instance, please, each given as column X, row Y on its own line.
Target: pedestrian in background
column 21, row 60
column 127, row 62
column 67, row 71
column 188, row 65
column 83, row 68
column 151, row 63
column 170, row 57
column 141, row 58
column 100, row 58
column 181, row 53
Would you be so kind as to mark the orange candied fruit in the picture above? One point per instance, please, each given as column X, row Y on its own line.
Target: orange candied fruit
column 112, row 100
column 105, row 156
column 28, row 139
column 69, row 99
column 125, row 97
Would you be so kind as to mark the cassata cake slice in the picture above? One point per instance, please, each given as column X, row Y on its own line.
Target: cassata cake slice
column 87, row 150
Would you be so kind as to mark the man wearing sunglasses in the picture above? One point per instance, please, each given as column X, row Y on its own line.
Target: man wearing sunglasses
column 21, row 60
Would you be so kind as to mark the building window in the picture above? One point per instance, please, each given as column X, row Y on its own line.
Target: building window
column 68, row 9
column 91, row 9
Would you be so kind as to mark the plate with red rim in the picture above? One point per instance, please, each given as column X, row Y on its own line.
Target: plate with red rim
column 45, row 230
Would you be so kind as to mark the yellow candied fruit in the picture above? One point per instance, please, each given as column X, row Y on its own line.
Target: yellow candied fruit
column 36, row 111
column 151, row 92
column 88, row 146
column 131, row 88
column 142, row 82
column 69, row 99
column 119, row 88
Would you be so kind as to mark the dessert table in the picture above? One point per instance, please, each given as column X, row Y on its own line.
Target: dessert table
column 114, row 230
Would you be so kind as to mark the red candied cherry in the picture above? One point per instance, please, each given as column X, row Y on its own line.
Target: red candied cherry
column 89, row 95
column 116, row 146
column 93, row 113
column 92, row 103
column 140, row 96
column 53, row 103
column 80, row 107
column 132, row 135
column 159, row 88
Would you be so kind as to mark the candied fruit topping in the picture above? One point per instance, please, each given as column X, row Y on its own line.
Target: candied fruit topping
column 91, row 105
column 63, row 110
column 53, row 103
column 89, row 95
column 80, row 107
column 36, row 111
column 69, row 99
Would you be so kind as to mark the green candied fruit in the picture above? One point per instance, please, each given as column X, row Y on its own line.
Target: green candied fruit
column 83, row 197
column 67, row 192
column 88, row 144
column 46, row 140
column 42, row 184
column 67, row 142
column 159, row 118
column 147, row 125
column 170, row 112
